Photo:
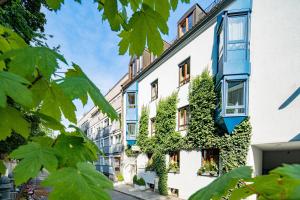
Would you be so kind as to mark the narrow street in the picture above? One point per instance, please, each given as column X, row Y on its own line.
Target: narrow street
column 120, row 196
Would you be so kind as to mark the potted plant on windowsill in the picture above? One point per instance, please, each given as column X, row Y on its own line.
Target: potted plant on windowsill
column 209, row 168
column 173, row 167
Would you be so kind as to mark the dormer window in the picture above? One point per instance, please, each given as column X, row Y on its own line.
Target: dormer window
column 186, row 25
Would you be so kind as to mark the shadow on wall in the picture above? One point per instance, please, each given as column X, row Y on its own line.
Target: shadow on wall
column 290, row 99
column 296, row 138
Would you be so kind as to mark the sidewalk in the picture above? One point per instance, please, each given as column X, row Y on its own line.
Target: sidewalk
column 143, row 195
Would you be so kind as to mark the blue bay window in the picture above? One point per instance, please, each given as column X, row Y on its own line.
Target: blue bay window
column 233, row 68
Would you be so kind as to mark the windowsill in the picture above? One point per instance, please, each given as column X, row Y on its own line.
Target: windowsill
column 183, row 128
column 208, row 175
column 183, row 83
column 154, row 99
column 174, row 172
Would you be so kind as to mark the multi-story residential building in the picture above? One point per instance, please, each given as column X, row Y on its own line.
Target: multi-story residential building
column 252, row 48
column 107, row 134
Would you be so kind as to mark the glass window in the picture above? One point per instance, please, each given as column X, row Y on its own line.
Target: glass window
column 183, row 117
column 210, row 162
column 184, row 72
column 190, row 22
column 131, row 100
column 174, row 162
column 235, row 97
column 154, row 90
column 236, row 28
column 131, row 129
column 221, row 42
column 152, row 121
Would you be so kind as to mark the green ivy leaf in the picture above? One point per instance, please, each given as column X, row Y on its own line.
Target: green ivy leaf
column 72, row 149
column 2, row 167
column 12, row 120
column 55, row 102
column 34, row 156
column 77, row 85
column 14, row 86
column 221, row 185
column 82, row 182
column 24, row 61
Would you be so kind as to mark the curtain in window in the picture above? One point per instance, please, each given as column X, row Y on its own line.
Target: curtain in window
column 236, row 28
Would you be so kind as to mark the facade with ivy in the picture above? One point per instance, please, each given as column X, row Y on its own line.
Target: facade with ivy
column 237, row 96
column 107, row 134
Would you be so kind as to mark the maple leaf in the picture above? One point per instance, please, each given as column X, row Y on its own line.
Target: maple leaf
column 14, row 86
column 82, row 183
column 12, row 120
column 34, row 156
column 78, row 86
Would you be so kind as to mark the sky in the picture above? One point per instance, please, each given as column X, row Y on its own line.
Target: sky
column 88, row 41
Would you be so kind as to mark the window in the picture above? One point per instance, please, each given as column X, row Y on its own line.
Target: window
column 106, row 122
column 210, row 162
column 152, row 121
column 237, row 30
column 185, row 25
column 174, row 162
column 118, row 139
column 184, row 72
column 183, row 117
column 131, row 129
column 131, row 100
column 154, row 90
column 236, row 95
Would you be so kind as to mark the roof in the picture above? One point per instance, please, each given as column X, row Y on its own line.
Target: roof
column 211, row 14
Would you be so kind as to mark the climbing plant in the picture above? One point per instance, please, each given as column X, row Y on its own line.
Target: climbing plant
column 203, row 132
column 143, row 129
column 201, row 128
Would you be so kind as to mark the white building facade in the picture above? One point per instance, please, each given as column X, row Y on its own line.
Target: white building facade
column 252, row 48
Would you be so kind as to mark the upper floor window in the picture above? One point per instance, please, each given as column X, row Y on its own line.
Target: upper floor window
column 131, row 129
column 183, row 117
column 237, row 32
column 106, row 122
column 185, row 25
column 131, row 100
column 154, row 90
column 152, row 131
column 236, row 97
column 184, row 72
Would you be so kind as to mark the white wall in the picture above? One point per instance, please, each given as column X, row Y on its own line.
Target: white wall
column 275, row 70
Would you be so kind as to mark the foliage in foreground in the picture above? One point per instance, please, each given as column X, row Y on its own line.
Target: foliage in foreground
column 143, row 28
column 31, row 83
column 282, row 183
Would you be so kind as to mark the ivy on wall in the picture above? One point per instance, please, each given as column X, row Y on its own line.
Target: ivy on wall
column 204, row 133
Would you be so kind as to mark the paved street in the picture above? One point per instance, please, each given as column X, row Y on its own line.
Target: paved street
column 120, row 196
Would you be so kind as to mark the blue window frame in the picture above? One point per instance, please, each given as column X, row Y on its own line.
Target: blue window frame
column 131, row 100
column 235, row 98
column 237, row 31
column 131, row 130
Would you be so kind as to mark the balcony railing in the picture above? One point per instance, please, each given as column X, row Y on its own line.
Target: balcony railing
column 117, row 148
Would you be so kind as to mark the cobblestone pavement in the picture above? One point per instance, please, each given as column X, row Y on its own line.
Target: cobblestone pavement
column 120, row 196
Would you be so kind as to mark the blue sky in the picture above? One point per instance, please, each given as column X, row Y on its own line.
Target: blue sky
column 89, row 42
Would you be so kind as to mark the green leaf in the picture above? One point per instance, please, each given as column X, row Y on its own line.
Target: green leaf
column 2, row 167
column 10, row 40
column 56, row 101
column 13, row 86
column 160, row 6
column 112, row 14
column 135, row 4
column 72, row 149
column 241, row 193
column 82, row 182
column 221, row 185
column 12, row 120
column 145, row 25
column 34, row 156
column 292, row 171
column 78, row 86
column 26, row 60
column 50, row 122
column 54, row 4
column 174, row 4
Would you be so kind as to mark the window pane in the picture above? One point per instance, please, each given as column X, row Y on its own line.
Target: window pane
column 188, row 70
column 181, row 73
column 221, row 42
column 190, row 21
column 154, row 91
column 131, row 100
column 235, row 93
column 236, row 28
column 131, row 129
